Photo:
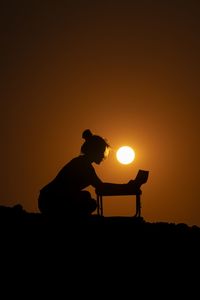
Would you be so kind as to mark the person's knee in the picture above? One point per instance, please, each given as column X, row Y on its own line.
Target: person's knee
column 85, row 195
column 93, row 205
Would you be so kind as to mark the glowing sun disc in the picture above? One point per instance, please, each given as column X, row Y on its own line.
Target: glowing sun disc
column 125, row 155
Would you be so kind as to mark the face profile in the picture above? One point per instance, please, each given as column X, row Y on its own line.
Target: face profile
column 95, row 147
column 101, row 155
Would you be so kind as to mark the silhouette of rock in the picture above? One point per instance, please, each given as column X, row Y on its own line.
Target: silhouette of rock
column 116, row 247
column 104, row 229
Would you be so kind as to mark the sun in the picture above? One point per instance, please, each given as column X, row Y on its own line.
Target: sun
column 125, row 155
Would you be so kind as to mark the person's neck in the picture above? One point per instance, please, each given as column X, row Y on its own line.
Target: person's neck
column 88, row 158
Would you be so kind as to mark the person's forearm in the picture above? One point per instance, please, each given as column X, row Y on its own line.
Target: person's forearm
column 112, row 188
column 116, row 189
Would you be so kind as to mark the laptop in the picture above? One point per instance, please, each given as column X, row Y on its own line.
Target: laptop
column 142, row 176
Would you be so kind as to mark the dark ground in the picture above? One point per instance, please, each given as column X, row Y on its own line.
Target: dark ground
column 18, row 223
column 123, row 255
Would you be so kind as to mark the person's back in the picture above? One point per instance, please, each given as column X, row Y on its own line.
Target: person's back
column 73, row 177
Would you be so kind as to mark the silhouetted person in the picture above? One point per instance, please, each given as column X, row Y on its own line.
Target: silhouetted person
column 64, row 195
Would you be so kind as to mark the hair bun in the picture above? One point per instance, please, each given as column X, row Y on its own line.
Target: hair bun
column 87, row 134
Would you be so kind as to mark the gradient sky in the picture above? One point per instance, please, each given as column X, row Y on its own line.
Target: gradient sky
column 129, row 71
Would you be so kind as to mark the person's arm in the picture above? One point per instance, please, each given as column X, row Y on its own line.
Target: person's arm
column 107, row 188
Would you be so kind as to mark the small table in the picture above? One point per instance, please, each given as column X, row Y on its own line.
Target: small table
column 135, row 193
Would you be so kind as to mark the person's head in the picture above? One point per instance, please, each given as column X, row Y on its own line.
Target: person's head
column 95, row 147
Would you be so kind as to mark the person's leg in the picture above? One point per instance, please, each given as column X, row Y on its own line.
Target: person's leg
column 80, row 204
column 86, row 204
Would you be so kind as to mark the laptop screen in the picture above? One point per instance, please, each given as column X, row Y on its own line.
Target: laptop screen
column 142, row 176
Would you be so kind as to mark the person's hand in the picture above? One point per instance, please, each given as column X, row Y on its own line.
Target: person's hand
column 131, row 182
column 133, row 185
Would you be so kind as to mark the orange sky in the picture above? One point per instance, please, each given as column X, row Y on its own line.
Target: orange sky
column 129, row 72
